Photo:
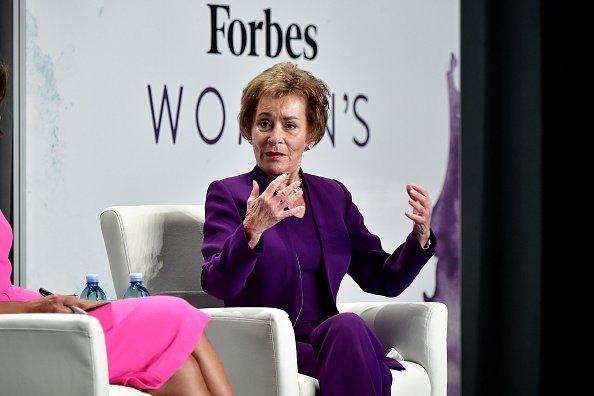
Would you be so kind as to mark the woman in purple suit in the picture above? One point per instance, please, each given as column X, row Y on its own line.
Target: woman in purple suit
column 282, row 238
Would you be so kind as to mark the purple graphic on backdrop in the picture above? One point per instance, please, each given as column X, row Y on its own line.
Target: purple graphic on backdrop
column 445, row 222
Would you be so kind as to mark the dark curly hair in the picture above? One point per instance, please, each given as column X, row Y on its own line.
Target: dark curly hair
column 3, row 80
column 3, row 83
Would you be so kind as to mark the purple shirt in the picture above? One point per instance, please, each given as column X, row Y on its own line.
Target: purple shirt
column 317, row 300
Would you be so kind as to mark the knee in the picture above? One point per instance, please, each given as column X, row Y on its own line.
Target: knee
column 346, row 319
column 344, row 325
column 167, row 308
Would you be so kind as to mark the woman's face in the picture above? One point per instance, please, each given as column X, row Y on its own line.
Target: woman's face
column 280, row 135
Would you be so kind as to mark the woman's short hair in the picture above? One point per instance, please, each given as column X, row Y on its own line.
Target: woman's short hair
column 281, row 80
column 3, row 80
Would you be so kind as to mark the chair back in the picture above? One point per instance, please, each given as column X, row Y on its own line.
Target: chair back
column 164, row 243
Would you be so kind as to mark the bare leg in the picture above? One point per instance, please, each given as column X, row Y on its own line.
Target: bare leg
column 186, row 381
column 212, row 369
column 202, row 374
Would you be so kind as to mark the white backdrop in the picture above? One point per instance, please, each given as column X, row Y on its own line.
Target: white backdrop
column 90, row 139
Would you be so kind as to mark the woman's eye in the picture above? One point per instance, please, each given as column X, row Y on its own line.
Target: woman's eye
column 264, row 124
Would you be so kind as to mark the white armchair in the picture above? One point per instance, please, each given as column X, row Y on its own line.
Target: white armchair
column 256, row 344
column 55, row 355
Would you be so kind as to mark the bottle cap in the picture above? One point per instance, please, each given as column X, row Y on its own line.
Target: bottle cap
column 136, row 277
column 92, row 278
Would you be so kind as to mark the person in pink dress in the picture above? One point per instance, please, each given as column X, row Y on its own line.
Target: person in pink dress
column 174, row 359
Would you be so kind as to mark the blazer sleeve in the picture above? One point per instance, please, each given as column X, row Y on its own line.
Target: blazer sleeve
column 228, row 259
column 374, row 270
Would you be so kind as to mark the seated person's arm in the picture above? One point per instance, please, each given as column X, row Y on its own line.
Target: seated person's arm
column 51, row 304
column 11, row 307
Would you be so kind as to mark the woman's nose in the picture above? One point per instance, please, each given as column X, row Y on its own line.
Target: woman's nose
column 276, row 136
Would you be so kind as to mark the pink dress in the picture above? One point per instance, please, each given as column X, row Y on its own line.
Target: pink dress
column 147, row 339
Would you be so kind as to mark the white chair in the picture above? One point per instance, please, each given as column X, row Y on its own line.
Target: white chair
column 256, row 344
column 55, row 355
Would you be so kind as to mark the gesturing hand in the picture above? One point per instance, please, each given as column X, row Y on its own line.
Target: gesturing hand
column 272, row 206
column 421, row 213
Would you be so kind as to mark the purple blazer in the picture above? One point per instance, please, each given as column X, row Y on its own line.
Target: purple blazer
column 268, row 276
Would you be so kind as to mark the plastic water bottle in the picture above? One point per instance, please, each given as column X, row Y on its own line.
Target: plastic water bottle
column 136, row 289
column 93, row 291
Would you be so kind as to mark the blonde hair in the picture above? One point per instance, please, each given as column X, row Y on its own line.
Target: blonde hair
column 281, row 80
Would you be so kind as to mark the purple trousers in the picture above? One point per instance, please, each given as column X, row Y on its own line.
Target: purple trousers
column 346, row 357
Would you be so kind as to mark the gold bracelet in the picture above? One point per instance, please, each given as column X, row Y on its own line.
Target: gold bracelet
column 427, row 245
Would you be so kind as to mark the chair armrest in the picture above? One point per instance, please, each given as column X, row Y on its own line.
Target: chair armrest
column 417, row 330
column 52, row 355
column 257, row 348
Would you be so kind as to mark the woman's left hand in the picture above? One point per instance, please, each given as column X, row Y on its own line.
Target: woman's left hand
column 421, row 213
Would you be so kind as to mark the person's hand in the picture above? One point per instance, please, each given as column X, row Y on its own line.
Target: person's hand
column 421, row 212
column 56, row 303
column 273, row 205
column 88, row 304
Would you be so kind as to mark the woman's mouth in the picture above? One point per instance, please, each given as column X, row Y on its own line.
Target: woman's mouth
column 274, row 155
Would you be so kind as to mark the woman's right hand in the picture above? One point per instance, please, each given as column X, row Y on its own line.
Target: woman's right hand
column 265, row 210
column 56, row 303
